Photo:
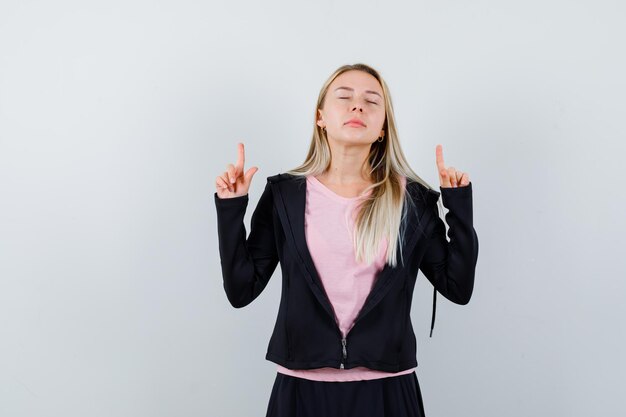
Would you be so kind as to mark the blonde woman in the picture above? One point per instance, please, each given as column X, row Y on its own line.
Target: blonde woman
column 351, row 228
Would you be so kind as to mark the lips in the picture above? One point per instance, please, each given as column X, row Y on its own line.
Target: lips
column 355, row 122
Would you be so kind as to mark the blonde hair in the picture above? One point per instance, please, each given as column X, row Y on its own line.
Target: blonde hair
column 381, row 213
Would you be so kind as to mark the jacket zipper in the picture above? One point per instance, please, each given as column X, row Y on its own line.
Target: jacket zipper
column 344, row 351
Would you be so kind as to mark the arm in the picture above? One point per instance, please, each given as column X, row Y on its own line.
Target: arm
column 450, row 266
column 247, row 264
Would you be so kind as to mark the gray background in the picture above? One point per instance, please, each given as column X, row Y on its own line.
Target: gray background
column 116, row 117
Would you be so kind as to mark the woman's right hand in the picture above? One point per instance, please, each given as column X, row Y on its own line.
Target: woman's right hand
column 234, row 183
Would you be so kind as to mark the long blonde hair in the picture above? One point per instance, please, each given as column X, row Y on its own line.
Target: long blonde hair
column 381, row 213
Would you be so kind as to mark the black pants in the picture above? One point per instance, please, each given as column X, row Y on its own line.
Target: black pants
column 397, row 396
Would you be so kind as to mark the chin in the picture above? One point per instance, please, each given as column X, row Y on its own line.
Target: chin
column 355, row 140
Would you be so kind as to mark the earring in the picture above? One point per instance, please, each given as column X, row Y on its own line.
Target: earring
column 380, row 139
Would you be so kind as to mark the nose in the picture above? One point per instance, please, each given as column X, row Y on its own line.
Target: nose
column 359, row 107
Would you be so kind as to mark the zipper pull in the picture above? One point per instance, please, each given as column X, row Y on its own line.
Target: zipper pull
column 345, row 352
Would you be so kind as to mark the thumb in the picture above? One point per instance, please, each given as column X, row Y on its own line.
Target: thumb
column 250, row 173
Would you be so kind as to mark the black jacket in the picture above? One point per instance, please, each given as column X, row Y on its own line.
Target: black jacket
column 306, row 334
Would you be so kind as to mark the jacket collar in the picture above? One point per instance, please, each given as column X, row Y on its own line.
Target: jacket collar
column 290, row 198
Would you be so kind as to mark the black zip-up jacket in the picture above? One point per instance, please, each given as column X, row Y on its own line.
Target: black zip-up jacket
column 306, row 334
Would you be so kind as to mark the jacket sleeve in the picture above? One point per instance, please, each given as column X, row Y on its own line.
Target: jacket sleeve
column 247, row 264
column 450, row 266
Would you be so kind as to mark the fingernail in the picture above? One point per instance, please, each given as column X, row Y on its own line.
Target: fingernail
column 232, row 179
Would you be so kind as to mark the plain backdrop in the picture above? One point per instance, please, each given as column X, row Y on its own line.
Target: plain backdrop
column 117, row 116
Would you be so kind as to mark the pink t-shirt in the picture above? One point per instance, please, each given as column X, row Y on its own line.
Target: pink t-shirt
column 329, row 223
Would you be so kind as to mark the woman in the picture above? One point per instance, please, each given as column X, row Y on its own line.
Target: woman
column 343, row 339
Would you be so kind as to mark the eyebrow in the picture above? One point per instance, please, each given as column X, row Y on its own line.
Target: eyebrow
column 352, row 89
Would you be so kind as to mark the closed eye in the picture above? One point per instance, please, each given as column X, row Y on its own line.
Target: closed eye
column 369, row 101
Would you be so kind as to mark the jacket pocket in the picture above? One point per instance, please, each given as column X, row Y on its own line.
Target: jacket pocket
column 288, row 324
column 403, row 317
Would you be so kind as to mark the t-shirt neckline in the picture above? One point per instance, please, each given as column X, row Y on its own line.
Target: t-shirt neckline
column 319, row 185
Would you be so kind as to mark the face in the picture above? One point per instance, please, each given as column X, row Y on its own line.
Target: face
column 353, row 95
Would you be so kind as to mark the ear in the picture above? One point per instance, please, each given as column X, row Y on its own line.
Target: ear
column 382, row 133
column 320, row 121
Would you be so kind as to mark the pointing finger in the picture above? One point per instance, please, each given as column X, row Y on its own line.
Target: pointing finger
column 439, row 157
column 241, row 159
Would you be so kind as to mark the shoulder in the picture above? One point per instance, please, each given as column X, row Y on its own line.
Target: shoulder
column 272, row 179
column 422, row 194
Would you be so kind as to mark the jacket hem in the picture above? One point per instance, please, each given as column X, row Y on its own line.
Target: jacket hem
column 301, row 365
column 374, row 365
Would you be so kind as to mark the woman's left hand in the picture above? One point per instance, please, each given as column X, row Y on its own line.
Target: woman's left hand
column 449, row 177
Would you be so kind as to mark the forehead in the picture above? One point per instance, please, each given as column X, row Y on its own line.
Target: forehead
column 358, row 80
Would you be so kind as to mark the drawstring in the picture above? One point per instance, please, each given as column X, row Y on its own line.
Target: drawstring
column 432, row 323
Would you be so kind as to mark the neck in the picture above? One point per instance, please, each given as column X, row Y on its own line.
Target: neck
column 348, row 164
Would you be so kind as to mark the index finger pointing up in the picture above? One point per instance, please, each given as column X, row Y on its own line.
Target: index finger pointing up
column 242, row 158
column 439, row 157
